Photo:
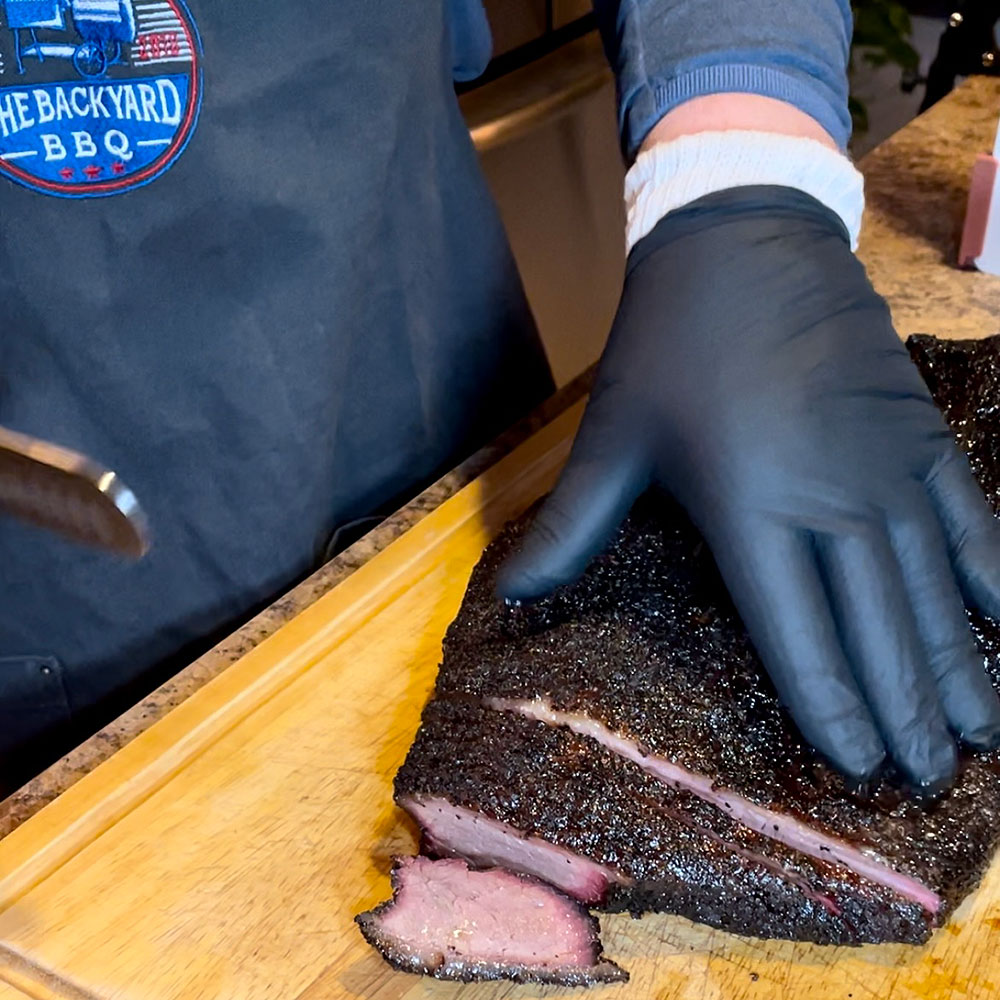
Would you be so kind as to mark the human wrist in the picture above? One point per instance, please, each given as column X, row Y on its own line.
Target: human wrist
column 672, row 173
column 739, row 112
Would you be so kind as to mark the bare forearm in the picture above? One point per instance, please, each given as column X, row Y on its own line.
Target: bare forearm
column 672, row 56
column 725, row 112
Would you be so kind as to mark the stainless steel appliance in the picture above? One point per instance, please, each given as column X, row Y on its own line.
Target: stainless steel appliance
column 546, row 133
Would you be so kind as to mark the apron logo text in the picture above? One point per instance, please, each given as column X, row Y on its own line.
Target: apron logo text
column 108, row 93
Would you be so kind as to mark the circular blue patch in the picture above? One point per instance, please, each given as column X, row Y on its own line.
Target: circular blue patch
column 102, row 95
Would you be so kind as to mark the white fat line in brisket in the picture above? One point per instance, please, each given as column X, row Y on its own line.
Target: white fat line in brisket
column 777, row 825
column 495, row 788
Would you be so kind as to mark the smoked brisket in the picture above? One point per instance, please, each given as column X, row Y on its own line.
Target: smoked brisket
column 661, row 848
column 621, row 740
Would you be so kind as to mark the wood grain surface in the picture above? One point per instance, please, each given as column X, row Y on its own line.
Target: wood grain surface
column 8, row 992
column 224, row 853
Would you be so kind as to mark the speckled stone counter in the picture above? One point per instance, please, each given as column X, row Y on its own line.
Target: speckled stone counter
column 917, row 183
column 916, row 186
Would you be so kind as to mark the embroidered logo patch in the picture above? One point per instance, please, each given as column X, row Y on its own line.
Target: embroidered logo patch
column 96, row 96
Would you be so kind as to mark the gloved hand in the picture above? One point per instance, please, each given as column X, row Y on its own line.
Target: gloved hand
column 754, row 373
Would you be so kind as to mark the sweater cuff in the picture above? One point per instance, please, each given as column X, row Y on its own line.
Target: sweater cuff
column 672, row 174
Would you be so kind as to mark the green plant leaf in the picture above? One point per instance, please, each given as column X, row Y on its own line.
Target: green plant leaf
column 882, row 30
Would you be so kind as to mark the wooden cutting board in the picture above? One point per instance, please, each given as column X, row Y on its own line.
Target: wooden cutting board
column 224, row 853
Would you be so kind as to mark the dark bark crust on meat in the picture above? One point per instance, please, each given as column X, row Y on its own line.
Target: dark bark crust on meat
column 648, row 643
column 964, row 379
column 470, row 972
column 601, row 970
column 682, row 854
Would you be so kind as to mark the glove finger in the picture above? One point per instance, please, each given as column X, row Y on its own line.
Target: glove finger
column 968, row 700
column 971, row 530
column 777, row 588
column 879, row 634
column 602, row 479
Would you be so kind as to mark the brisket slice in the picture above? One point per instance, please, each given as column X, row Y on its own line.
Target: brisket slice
column 496, row 788
column 447, row 921
column 647, row 650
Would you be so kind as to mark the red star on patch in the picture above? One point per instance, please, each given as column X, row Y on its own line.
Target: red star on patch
column 92, row 171
column 66, row 173
column 118, row 167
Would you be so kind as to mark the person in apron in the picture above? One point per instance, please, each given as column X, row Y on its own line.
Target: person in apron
column 253, row 266
column 247, row 259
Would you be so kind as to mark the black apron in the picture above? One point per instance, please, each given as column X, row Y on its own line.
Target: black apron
column 248, row 261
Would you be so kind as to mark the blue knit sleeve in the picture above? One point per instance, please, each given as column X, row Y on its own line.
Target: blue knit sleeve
column 665, row 52
column 471, row 40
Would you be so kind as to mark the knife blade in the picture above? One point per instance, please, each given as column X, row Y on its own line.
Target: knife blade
column 71, row 494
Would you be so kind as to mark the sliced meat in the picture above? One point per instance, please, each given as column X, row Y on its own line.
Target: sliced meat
column 452, row 829
column 647, row 649
column 448, row 921
column 497, row 788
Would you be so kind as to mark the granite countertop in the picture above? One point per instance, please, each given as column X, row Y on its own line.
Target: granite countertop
column 916, row 186
column 916, row 183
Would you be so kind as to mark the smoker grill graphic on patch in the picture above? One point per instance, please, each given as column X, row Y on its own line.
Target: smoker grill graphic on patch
column 96, row 96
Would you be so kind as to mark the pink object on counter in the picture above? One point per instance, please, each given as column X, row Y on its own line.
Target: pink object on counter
column 977, row 213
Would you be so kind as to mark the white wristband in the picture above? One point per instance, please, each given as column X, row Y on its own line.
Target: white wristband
column 672, row 174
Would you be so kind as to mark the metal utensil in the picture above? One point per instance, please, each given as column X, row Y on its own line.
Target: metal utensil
column 69, row 493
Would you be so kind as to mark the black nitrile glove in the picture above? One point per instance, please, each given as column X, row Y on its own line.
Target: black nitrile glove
column 754, row 373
